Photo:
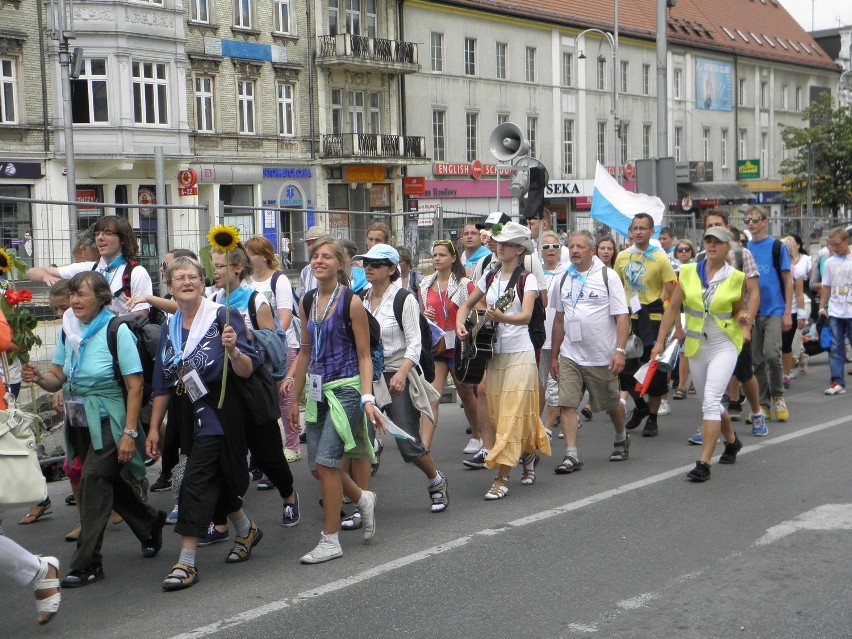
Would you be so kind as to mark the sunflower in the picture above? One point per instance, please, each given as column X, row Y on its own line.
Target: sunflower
column 5, row 262
column 223, row 238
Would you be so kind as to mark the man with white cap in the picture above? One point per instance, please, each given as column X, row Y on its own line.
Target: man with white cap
column 307, row 281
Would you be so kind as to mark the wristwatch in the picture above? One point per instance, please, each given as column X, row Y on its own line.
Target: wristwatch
column 236, row 355
column 132, row 432
column 623, row 351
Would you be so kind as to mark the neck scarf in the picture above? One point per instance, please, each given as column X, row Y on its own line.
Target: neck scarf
column 239, row 297
column 204, row 318
column 78, row 335
column 648, row 252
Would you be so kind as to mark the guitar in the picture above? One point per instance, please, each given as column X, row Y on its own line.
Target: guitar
column 478, row 347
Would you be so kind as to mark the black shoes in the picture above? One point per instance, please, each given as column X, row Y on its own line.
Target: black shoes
column 650, row 429
column 636, row 418
column 151, row 547
column 701, row 472
column 164, row 482
column 80, row 578
column 731, row 450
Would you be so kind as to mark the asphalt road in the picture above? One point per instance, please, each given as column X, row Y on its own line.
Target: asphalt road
column 629, row 549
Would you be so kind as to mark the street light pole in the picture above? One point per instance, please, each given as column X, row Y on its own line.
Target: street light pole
column 613, row 43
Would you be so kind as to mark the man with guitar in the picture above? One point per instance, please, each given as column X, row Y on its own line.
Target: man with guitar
column 591, row 310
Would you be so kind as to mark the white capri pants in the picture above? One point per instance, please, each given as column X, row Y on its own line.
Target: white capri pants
column 17, row 563
column 711, row 369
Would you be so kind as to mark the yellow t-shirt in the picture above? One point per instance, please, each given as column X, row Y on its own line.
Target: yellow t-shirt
column 644, row 276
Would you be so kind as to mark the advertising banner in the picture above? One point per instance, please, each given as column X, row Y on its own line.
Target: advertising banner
column 713, row 85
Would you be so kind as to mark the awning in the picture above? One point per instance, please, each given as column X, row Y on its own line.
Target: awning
column 721, row 191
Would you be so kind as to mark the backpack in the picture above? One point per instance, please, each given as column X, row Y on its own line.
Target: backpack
column 125, row 277
column 147, row 344
column 377, row 349
column 536, row 329
column 296, row 322
column 271, row 344
column 427, row 362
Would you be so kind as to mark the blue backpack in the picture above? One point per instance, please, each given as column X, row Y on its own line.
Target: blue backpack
column 271, row 344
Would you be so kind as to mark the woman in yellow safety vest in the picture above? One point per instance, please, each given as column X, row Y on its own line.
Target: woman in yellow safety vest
column 710, row 294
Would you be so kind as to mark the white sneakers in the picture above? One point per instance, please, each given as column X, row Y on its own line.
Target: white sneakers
column 367, row 506
column 835, row 389
column 665, row 408
column 473, row 446
column 327, row 549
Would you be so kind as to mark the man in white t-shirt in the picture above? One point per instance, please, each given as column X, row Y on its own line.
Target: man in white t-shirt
column 835, row 302
column 118, row 248
column 588, row 345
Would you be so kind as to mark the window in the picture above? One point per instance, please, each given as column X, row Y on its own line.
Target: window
column 646, row 140
column 502, row 49
column 601, row 143
column 625, row 84
column 567, row 68
column 471, row 121
column 205, row 121
column 242, row 14
column 678, row 143
column 624, row 143
column 437, row 50
column 532, row 135
column 282, row 16
column 286, row 124
column 349, row 16
column 199, row 11
column 439, row 149
column 502, row 118
column 149, row 93
column 356, row 112
column 336, row 111
column 567, row 147
column 705, row 142
column 785, row 98
column 764, row 154
column 764, row 95
column 8, row 91
column 601, row 74
column 375, row 113
column 334, row 17
column 470, row 56
column 646, row 79
column 741, row 94
column 371, row 17
column 677, row 84
column 798, row 98
column 89, row 97
column 723, row 148
column 529, row 59
column 245, row 107
column 743, row 145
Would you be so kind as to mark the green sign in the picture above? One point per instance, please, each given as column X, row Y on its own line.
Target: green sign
column 748, row 169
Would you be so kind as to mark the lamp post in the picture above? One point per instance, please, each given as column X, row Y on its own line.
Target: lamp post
column 613, row 43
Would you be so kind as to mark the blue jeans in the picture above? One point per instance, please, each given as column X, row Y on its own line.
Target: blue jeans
column 841, row 328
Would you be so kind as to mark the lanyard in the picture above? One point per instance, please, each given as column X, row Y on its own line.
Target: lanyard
column 574, row 274
column 443, row 300
column 319, row 322
column 496, row 283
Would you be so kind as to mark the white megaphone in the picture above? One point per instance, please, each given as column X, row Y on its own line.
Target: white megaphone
column 507, row 142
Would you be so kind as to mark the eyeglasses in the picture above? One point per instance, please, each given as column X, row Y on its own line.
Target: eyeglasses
column 106, row 233
column 640, row 228
column 683, row 249
column 180, row 279
column 448, row 243
column 549, row 247
column 754, row 220
column 368, row 263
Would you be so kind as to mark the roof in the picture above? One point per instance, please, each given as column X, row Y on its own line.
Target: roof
column 760, row 29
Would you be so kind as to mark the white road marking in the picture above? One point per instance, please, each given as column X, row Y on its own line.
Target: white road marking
column 637, row 602
column 340, row 584
column 825, row 517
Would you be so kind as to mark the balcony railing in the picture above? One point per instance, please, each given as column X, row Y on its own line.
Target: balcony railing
column 373, row 145
column 345, row 48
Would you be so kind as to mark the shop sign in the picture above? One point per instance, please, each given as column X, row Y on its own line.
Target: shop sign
column 629, row 170
column 748, row 169
column 146, row 195
column 338, row 221
column 475, row 169
column 187, row 178
column 20, row 170
column 380, row 196
column 700, row 172
column 86, row 195
column 187, row 191
column 287, row 172
column 291, row 196
column 363, row 173
column 568, row 188
column 413, row 185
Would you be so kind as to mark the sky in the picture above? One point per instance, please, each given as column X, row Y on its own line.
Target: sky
column 826, row 13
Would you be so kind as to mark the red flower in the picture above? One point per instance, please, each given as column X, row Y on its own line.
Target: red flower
column 25, row 296
column 12, row 297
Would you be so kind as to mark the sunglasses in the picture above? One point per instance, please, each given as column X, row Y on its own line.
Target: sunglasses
column 549, row 247
column 683, row 249
column 448, row 243
column 368, row 263
column 754, row 220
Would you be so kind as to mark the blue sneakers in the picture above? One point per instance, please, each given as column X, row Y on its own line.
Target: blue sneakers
column 290, row 517
column 213, row 536
column 172, row 517
column 696, row 440
column 758, row 425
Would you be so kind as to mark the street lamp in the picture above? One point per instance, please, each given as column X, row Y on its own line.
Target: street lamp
column 613, row 43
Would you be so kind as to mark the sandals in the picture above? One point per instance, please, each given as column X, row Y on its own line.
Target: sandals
column 440, row 495
column 353, row 522
column 621, row 450
column 181, row 576
column 529, row 462
column 499, row 489
column 48, row 606
column 569, row 465
column 243, row 545
column 680, row 393
column 36, row 512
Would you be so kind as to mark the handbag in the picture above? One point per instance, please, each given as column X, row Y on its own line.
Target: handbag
column 21, row 480
column 260, row 395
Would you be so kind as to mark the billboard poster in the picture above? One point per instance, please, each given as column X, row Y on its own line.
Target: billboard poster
column 713, row 85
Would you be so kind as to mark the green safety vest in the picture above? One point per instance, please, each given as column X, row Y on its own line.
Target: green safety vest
column 721, row 306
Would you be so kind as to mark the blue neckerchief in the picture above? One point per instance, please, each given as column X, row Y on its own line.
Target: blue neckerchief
column 359, row 278
column 574, row 274
column 702, row 272
column 175, row 337
column 100, row 320
column 118, row 261
column 239, row 298
column 649, row 253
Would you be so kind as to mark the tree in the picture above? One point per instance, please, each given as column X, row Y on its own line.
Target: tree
column 821, row 150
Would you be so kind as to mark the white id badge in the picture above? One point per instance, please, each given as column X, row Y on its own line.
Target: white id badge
column 635, row 304
column 315, row 390
column 195, row 388
column 575, row 333
column 450, row 340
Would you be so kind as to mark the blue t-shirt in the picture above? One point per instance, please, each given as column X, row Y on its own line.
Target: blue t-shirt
column 772, row 302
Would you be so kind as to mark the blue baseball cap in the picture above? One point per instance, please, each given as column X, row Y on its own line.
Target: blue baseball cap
column 380, row 252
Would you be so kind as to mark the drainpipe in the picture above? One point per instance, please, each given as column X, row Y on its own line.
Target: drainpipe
column 311, row 62
column 43, row 70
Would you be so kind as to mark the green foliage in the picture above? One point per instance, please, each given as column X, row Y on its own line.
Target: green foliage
column 828, row 136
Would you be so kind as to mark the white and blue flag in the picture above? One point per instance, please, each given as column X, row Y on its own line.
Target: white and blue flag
column 616, row 207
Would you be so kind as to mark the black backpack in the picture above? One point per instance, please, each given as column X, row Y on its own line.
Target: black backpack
column 377, row 349
column 147, row 345
column 427, row 362
column 536, row 329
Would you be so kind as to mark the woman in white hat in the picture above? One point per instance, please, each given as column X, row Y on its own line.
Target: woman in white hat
column 511, row 375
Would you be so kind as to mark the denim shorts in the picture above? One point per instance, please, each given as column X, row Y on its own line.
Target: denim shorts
column 324, row 444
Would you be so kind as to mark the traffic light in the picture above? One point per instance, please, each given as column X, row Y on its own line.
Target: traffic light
column 534, row 204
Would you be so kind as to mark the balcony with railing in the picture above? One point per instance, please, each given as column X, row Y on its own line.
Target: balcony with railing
column 374, row 145
column 362, row 52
